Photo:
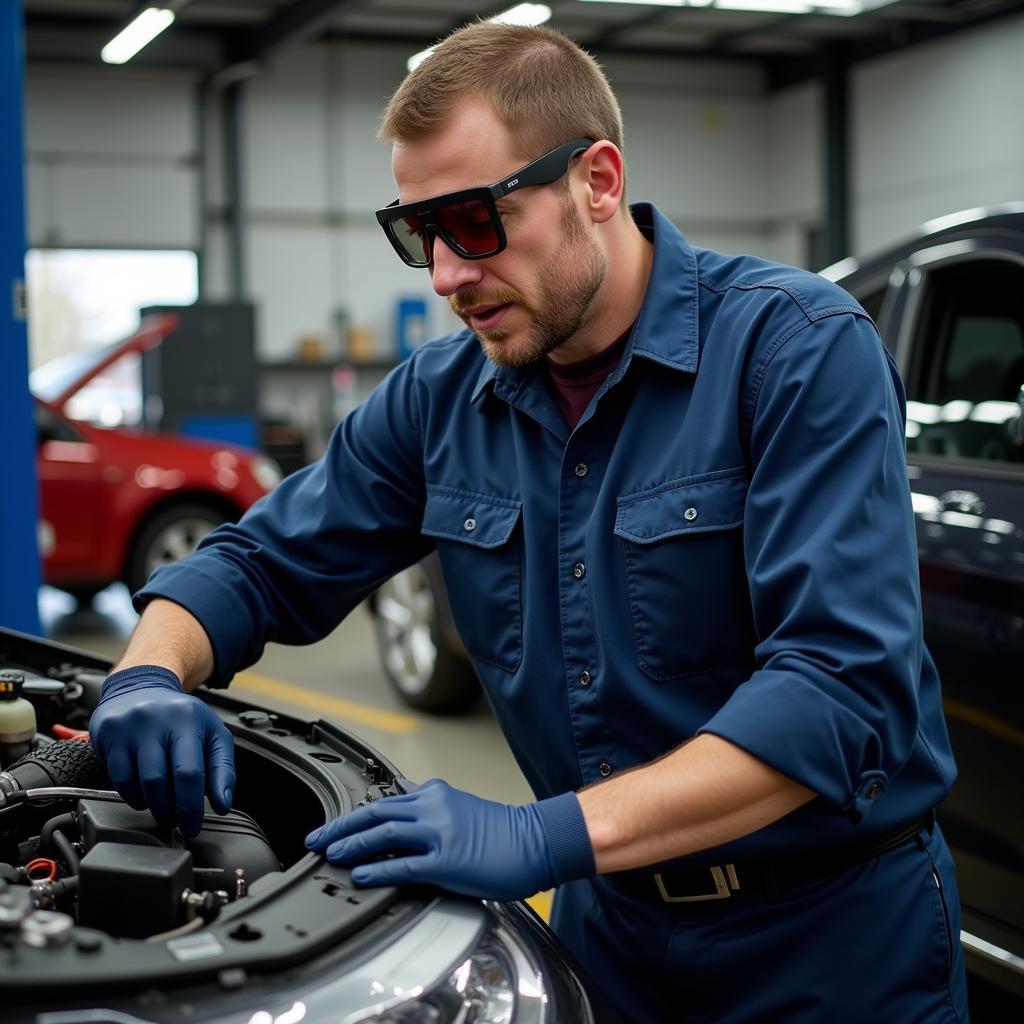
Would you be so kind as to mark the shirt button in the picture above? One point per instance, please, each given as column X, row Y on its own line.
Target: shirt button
column 690, row 514
column 579, row 570
column 584, row 678
column 469, row 525
column 581, row 469
column 605, row 769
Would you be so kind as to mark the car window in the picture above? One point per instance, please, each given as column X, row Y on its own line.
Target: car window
column 872, row 302
column 872, row 296
column 967, row 401
column 50, row 427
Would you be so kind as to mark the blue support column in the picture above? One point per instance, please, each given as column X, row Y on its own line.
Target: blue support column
column 20, row 572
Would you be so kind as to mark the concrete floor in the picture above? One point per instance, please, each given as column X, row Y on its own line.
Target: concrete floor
column 339, row 679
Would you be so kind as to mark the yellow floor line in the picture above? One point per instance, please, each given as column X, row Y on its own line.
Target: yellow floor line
column 542, row 904
column 333, row 707
column 983, row 720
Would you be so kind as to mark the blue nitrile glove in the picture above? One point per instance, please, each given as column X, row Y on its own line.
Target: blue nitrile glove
column 163, row 748
column 449, row 838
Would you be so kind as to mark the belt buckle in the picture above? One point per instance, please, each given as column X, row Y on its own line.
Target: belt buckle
column 724, row 877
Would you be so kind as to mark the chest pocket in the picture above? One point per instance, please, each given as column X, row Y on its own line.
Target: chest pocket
column 688, row 595
column 480, row 552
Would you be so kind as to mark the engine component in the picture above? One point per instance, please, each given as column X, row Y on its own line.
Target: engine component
column 68, row 763
column 225, row 844
column 44, row 928
column 232, row 841
column 17, row 719
column 15, row 906
column 104, row 821
column 133, row 891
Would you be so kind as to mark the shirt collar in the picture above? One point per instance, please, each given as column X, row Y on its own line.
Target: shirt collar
column 666, row 330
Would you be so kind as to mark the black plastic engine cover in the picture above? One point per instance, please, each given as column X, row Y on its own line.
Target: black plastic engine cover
column 133, row 891
column 230, row 842
column 225, row 843
column 104, row 821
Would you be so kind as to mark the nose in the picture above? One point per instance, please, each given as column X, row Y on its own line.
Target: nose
column 449, row 272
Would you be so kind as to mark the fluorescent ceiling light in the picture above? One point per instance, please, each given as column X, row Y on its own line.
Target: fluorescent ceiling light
column 843, row 7
column 646, row 3
column 418, row 58
column 521, row 14
column 772, row 6
column 137, row 34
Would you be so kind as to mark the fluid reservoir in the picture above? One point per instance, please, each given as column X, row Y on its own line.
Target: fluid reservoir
column 17, row 719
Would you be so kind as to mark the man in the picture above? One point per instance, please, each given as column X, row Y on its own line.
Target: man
column 670, row 500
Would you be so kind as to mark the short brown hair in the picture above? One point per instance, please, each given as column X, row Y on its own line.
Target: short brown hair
column 543, row 86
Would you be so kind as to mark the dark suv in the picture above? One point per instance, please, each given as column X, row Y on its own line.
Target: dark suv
column 949, row 304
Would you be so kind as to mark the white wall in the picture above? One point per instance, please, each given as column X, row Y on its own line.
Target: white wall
column 937, row 129
column 113, row 159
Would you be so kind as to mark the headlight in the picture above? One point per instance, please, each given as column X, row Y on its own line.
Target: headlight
column 457, row 963
column 266, row 472
column 479, row 991
column 496, row 984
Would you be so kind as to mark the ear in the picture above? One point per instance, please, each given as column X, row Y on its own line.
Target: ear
column 603, row 171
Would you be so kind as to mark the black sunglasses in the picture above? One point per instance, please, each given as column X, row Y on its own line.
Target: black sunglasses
column 468, row 220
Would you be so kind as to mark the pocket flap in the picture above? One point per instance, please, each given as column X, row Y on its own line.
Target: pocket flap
column 695, row 504
column 471, row 518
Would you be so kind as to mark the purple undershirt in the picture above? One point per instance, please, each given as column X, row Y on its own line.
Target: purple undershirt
column 574, row 384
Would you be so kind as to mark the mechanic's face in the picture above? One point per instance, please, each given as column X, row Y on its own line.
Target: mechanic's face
column 535, row 294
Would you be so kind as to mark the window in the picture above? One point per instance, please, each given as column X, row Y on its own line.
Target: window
column 51, row 427
column 80, row 299
column 968, row 398
column 872, row 302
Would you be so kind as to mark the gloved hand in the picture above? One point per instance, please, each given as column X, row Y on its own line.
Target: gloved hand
column 163, row 748
column 449, row 838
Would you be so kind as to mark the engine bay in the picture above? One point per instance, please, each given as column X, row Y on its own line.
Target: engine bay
column 97, row 895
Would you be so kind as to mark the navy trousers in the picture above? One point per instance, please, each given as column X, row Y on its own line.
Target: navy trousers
column 878, row 944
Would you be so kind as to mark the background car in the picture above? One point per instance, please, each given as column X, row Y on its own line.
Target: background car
column 118, row 501
column 108, row 917
column 949, row 304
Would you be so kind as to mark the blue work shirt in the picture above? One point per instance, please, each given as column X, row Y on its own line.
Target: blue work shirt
column 723, row 544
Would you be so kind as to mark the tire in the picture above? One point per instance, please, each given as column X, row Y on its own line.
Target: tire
column 423, row 665
column 169, row 536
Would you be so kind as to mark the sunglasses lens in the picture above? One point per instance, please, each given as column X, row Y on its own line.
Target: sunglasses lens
column 411, row 236
column 471, row 226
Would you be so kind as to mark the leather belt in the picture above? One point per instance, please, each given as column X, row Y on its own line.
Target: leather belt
column 762, row 878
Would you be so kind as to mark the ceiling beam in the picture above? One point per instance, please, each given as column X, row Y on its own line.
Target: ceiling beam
column 613, row 33
column 300, row 21
column 786, row 71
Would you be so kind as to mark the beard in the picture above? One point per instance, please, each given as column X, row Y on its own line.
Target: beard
column 568, row 285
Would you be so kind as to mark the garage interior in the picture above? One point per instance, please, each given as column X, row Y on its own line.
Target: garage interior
column 240, row 145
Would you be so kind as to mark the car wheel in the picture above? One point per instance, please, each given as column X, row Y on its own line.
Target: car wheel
column 168, row 537
column 418, row 659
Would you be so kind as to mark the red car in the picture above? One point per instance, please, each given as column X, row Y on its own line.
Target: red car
column 118, row 502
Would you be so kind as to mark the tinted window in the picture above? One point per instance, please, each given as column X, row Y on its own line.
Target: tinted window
column 50, row 427
column 969, row 364
column 872, row 302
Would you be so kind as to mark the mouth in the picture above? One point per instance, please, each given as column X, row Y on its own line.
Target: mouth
column 486, row 318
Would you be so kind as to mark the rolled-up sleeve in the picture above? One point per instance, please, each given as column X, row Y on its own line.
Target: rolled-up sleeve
column 301, row 558
column 831, row 561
